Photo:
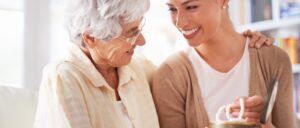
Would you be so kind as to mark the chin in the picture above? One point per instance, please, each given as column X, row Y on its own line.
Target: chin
column 126, row 61
column 193, row 43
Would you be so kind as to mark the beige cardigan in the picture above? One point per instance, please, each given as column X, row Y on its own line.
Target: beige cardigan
column 177, row 95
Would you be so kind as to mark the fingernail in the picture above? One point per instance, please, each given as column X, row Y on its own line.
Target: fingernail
column 235, row 114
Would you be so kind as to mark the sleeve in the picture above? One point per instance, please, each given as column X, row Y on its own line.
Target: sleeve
column 61, row 102
column 283, row 112
column 169, row 102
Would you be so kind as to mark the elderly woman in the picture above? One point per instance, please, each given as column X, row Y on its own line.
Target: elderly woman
column 190, row 87
column 98, row 84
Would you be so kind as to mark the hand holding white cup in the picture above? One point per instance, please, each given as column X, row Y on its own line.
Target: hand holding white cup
column 252, row 108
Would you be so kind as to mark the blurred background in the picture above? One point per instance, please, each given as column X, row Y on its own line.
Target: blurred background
column 32, row 34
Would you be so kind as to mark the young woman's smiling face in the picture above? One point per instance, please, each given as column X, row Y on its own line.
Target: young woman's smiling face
column 197, row 20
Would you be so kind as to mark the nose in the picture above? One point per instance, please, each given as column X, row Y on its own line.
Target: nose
column 180, row 20
column 140, row 41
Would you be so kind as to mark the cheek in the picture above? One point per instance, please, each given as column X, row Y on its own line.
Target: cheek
column 173, row 18
column 114, row 53
column 214, row 23
column 211, row 22
column 117, row 55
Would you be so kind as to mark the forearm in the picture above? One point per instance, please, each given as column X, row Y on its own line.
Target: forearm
column 283, row 112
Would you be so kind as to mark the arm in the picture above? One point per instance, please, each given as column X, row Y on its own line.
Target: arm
column 169, row 102
column 61, row 103
column 279, row 66
column 72, row 101
column 282, row 115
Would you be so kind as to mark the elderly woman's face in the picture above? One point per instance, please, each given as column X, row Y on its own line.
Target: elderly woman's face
column 197, row 20
column 118, row 52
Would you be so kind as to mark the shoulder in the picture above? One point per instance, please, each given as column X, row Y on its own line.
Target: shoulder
column 176, row 69
column 177, row 62
column 270, row 51
column 60, row 73
column 143, row 67
column 271, row 58
column 61, row 79
column 271, row 55
column 173, row 75
column 60, row 68
column 141, row 62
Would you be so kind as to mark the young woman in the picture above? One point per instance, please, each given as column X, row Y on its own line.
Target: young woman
column 218, row 68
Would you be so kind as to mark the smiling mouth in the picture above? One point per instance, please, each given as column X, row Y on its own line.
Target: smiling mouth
column 190, row 33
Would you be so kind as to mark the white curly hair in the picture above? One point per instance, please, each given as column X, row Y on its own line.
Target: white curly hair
column 101, row 18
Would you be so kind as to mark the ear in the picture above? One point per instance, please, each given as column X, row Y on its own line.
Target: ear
column 225, row 3
column 88, row 40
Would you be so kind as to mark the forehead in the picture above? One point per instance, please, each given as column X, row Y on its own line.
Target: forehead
column 183, row 2
column 180, row 1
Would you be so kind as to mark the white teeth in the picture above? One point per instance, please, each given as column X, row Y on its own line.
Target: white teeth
column 189, row 32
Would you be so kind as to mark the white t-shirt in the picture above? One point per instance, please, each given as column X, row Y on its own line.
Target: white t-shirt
column 219, row 88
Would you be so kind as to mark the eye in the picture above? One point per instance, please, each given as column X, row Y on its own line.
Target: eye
column 191, row 7
column 135, row 33
column 172, row 9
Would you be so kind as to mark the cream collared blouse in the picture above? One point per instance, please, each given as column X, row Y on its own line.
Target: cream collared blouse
column 73, row 94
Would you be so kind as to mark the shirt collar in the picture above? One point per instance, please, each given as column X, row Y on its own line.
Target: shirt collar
column 126, row 74
column 77, row 57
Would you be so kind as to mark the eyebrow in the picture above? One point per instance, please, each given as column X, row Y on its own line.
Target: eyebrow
column 184, row 3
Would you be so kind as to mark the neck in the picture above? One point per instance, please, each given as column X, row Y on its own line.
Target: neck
column 105, row 69
column 225, row 44
column 109, row 73
column 102, row 66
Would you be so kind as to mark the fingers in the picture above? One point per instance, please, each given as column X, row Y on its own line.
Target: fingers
column 270, row 41
column 254, row 39
column 248, row 33
column 254, row 115
column 249, row 102
column 252, row 109
column 236, row 103
column 252, row 120
column 254, row 101
column 257, row 39
column 264, row 40
column 261, row 40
